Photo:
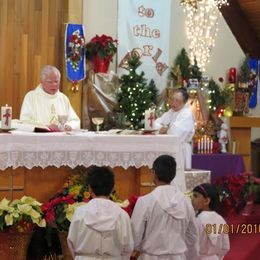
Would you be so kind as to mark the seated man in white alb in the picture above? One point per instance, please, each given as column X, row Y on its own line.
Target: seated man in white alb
column 179, row 121
column 43, row 104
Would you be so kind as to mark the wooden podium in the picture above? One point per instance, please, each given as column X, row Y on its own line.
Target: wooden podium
column 241, row 135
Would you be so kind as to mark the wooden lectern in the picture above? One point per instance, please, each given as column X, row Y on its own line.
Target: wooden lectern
column 240, row 127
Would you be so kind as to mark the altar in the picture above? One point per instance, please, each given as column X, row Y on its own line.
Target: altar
column 37, row 164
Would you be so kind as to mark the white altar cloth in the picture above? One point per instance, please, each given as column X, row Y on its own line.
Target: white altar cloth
column 21, row 149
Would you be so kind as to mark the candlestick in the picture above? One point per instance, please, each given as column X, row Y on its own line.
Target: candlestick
column 6, row 117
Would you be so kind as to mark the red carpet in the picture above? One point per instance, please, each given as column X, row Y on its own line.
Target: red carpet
column 245, row 245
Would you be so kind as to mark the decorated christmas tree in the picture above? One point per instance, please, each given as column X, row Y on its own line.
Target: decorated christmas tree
column 244, row 74
column 215, row 96
column 184, row 62
column 195, row 71
column 134, row 96
column 154, row 91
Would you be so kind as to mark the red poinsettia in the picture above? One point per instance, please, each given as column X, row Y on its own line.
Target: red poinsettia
column 103, row 46
column 235, row 191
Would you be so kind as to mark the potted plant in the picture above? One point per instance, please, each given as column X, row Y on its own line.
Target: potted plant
column 59, row 209
column 17, row 219
column 101, row 50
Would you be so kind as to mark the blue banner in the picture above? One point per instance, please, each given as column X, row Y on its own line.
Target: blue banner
column 75, row 52
column 254, row 65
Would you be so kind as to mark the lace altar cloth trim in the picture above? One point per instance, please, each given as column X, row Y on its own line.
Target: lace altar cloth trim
column 58, row 149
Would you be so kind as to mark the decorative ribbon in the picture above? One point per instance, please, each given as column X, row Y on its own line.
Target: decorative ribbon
column 75, row 54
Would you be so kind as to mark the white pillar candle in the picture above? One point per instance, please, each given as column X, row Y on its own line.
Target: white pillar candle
column 149, row 119
column 199, row 146
column 6, row 117
column 205, row 144
column 211, row 146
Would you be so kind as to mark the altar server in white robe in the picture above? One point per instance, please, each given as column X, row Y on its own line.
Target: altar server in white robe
column 163, row 221
column 213, row 237
column 43, row 104
column 100, row 229
column 179, row 121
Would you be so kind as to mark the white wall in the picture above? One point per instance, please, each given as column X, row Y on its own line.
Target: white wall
column 100, row 17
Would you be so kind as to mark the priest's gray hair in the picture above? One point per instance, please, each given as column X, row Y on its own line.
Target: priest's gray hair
column 47, row 70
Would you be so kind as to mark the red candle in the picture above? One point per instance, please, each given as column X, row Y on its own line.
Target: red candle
column 232, row 75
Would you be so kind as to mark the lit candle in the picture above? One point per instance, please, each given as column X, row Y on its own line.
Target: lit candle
column 199, row 146
column 205, row 144
column 208, row 143
column 211, row 146
column 6, row 117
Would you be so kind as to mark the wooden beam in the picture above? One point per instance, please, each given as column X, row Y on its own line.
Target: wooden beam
column 241, row 28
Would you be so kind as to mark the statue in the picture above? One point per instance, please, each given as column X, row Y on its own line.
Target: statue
column 223, row 137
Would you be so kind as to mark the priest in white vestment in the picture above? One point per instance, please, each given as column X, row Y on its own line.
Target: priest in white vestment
column 100, row 229
column 43, row 104
column 179, row 121
column 163, row 221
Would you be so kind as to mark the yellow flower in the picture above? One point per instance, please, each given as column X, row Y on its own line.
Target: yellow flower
column 71, row 208
column 86, row 194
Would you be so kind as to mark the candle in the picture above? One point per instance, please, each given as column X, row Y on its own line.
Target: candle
column 208, row 143
column 205, row 144
column 149, row 119
column 199, row 146
column 6, row 117
column 211, row 146
column 232, row 75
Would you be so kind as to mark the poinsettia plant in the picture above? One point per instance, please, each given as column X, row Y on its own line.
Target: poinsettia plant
column 20, row 214
column 59, row 209
column 103, row 46
column 236, row 190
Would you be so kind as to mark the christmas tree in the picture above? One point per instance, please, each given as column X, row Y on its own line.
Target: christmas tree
column 154, row 91
column 216, row 97
column 244, row 75
column 195, row 71
column 184, row 62
column 134, row 96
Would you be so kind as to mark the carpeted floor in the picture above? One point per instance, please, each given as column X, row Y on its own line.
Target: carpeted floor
column 245, row 244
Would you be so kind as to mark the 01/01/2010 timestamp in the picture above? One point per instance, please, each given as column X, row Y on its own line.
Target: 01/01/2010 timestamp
column 232, row 229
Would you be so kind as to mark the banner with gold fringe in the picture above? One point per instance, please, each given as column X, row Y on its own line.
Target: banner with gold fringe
column 75, row 54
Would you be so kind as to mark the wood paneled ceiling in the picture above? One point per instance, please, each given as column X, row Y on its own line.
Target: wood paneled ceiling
column 243, row 18
column 251, row 9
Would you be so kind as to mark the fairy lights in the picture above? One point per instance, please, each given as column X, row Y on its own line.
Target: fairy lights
column 202, row 27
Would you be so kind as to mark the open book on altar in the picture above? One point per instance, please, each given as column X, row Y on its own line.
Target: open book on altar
column 30, row 126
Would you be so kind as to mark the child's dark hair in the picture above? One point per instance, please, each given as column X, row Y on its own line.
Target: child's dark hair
column 208, row 190
column 101, row 180
column 165, row 168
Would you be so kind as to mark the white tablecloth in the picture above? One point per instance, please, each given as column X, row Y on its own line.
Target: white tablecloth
column 61, row 149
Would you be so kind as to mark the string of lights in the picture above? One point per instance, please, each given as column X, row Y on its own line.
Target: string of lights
column 202, row 28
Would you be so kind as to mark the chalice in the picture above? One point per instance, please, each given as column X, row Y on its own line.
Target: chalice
column 62, row 121
column 97, row 121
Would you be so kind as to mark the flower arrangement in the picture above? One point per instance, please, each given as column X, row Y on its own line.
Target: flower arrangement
column 75, row 47
column 20, row 215
column 103, row 46
column 58, row 210
column 128, row 205
column 235, row 191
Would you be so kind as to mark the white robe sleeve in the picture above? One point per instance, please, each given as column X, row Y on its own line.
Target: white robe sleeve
column 26, row 109
column 73, row 119
column 139, row 223
column 125, row 236
column 192, row 237
column 183, row 126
